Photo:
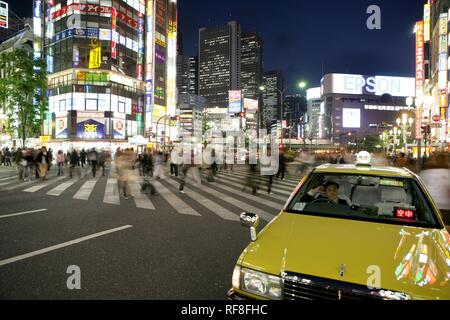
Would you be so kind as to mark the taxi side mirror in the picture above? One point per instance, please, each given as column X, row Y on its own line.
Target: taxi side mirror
column 250, row 220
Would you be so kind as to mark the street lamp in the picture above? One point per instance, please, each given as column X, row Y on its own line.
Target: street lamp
column 404, row 123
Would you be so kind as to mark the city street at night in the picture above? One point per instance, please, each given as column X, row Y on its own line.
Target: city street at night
column 232, row 153
column 169, row 246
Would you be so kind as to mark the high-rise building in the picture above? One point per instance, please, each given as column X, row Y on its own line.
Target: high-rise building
column 219, row 63
column 311, row 128
column 187, row 75
column 111, row 69
column 295, row 106
column 251, row 65
column 274, row 87
column 191, row 109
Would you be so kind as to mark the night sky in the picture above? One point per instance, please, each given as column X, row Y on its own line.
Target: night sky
column 300, row 36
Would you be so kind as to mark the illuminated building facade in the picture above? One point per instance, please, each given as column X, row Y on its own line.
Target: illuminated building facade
column 274, row 84
column 251, row 65
column 219, row 63
column 432, row 75
column 111, row 68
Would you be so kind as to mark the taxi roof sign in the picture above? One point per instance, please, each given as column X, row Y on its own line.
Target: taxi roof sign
column 364, row 158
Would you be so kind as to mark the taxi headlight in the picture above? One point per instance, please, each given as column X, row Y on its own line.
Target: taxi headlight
column 257, row 283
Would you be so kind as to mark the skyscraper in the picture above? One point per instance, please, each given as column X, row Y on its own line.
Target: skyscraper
column 219, row 63
column 187, row 75
column 274, row 84
column 251, row 65
column 111, row 68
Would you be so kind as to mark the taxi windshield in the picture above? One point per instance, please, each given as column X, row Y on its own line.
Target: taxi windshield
column 360, row 197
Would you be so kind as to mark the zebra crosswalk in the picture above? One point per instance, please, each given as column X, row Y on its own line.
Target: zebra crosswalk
column 225, row 198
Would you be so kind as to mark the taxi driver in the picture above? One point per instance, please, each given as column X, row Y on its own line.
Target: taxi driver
column 329, row 191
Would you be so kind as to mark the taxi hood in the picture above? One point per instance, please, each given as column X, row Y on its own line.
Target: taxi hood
column 410, row 260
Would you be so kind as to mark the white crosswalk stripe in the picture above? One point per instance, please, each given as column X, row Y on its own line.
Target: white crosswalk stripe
column 57, row 191
column 86, row 190
column 175, row 202
column 112, row 195
column 8, row 178
column 286, row 182
column 237, row 185
column 140, row 199
column 276, row 189
column 237, row 203
column 207, row 203
column 239, row 193
column 44, row 185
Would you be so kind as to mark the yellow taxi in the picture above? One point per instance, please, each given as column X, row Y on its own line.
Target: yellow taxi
column 349, row 232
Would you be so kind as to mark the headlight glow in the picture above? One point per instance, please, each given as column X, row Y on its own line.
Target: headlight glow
column 237, row 277
column 261, row 284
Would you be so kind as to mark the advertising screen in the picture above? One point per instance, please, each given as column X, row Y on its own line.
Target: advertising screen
column 119, row 129
column 251, row 105
column 368, row 85
column 89, row 126
column 61, row 128
column 235, row 101
column 351, row 118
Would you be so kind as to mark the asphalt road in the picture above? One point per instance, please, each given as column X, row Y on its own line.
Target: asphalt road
column 168, row 246
column 184, row 251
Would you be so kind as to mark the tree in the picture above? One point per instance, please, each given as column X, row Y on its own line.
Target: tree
column 23, row 92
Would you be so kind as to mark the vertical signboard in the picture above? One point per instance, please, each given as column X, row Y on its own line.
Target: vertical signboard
column 37, row 27
column 235, row 101
column 149, row 57
column 114, row 35
column 427, row 19
column 172, row 58
column 3, row 15
column 420, row 55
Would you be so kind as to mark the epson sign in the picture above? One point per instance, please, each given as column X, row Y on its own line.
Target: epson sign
column 368, row 85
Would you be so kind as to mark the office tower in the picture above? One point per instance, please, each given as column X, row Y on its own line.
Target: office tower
column 219, row 63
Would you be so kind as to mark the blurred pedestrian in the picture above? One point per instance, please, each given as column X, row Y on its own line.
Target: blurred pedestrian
column 93, row 159
column 43, row 162
column 74, row 163
column 60, row 162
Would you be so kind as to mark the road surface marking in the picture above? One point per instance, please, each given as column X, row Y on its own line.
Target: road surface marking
column 141, row 200
column 239, row 193
column 61, row 188
column 62, row 245
column 286, row 182
column 112, row 192
column 207, row 203
column 9, row 178
column 236, row 203
column 86, row 190
column 175, row 202
column 43, row 185
column 22, row 213
column 275, row 188
column 276, row 182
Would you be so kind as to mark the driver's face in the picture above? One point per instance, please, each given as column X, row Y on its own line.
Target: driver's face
column 332, row 192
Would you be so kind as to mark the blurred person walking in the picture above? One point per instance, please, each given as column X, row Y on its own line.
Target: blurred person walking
column 74, row 163
column 93, row 159
column 43, row 162
column 123, row 167
column 60, row 162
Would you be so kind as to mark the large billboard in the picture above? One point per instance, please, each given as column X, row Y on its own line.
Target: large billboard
column 234, row 101
column 368, row 85
column 351, row 118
